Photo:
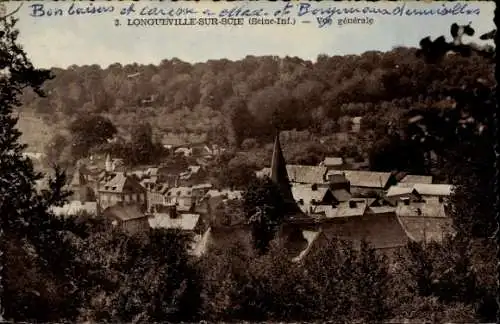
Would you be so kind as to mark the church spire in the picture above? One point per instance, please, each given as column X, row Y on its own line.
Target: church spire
column 278, row 164
column 279, row 176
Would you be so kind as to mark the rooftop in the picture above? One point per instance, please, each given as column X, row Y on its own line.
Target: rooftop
column 366, row 179
column 183, row 221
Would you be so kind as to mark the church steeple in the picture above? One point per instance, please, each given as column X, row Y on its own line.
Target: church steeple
column 279, row 176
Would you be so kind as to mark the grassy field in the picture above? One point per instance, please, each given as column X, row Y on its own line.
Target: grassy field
column 35, row 132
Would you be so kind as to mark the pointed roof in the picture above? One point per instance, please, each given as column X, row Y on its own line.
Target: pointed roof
column 279, row 176
column 121, row 183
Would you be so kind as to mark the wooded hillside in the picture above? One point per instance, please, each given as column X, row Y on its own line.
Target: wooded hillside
column 231, row 101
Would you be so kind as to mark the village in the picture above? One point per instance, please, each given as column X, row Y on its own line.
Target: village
column 325, row 201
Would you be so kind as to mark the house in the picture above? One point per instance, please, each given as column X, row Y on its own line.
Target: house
column 122, row 188
column 356, row 124
column 430, row 190
column 308, row 196
column 212, row 150
column 366, row 182
column 81, row 186
column 153, row 174
column 193, row 175
column 332, row 163
column 129, row 218
column 75, row 207
column 148, row 184
column 182, row 197
column 200, row 190
column 339, row 187
column 355, row 221
column 306, row 174
column 225, row 194
column 220, row 203
column 416, row 179
column 184, row 151
column 397, row 194
column 157, row 196
column 425, row 221
column 169, row 218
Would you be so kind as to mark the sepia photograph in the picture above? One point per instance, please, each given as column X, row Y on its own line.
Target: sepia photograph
column 248, row 161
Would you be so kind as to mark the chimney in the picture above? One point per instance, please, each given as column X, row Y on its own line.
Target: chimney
column 173, row 211
column 352, row 204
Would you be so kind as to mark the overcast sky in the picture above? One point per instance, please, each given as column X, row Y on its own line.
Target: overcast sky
column 93, row 39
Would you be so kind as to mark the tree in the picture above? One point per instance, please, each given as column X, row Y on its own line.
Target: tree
column 351, row 284
column 239, row 121
column 89, row 131
column 142, row 146
column 31, row 237
column 264, row 209
column 236, row 173
column 55, row 148
column 142, row 278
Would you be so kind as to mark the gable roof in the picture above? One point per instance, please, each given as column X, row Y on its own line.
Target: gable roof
column 341, row 194
column 410, row 178
column 429, row 189
column 367, row 179
column 399, row 191
column 183, row 221
column 124, row 212
column 194, row 168
column 307, row 194
column 306, row 173
column 121, row 183
column 343, row 209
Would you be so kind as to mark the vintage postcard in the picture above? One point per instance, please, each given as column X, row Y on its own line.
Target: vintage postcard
column 248, row 161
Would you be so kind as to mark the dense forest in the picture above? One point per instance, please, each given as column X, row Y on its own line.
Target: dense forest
column 241, row 103
column 81, row 269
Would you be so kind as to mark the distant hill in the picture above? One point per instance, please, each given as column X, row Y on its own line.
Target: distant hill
column 228, row 102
